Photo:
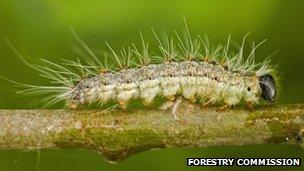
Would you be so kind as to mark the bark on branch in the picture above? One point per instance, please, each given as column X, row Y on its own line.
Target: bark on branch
column 117, row 134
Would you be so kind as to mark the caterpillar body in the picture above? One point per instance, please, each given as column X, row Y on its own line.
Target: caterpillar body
column 191, row 79
column 211, row 76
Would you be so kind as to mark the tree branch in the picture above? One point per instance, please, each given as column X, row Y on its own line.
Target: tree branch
column 117, row 134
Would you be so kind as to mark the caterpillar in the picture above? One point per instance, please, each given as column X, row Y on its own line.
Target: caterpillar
column 187, row 68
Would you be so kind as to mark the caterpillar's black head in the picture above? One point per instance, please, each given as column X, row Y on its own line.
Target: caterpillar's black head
column 268, row 86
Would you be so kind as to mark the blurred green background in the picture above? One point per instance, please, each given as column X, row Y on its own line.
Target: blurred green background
column 41, row 29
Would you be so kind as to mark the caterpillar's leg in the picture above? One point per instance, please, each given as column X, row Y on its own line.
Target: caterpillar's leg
column 249, row 105
column 167, row 105
column 225, row 106
column 123, row 104
column 73, row 105
column 177, row 102
column 173, row 104
column 148, row 102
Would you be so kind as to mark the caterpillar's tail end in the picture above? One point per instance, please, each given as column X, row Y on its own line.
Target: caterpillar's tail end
column 72, row 105
column 268, row 87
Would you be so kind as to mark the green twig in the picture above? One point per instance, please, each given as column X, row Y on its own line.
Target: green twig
column 117, row 134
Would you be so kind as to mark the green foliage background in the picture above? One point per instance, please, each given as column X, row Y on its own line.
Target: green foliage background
column 41, row 29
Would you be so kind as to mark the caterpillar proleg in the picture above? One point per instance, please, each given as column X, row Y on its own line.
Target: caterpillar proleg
column 187, row 68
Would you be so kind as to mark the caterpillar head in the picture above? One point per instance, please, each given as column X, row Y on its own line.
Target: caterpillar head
column 268, row 87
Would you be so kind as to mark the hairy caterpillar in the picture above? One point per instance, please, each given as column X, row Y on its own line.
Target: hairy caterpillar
column 189, row 68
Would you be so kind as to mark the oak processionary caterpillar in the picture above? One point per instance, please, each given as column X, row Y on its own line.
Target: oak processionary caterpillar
column 190, row 69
